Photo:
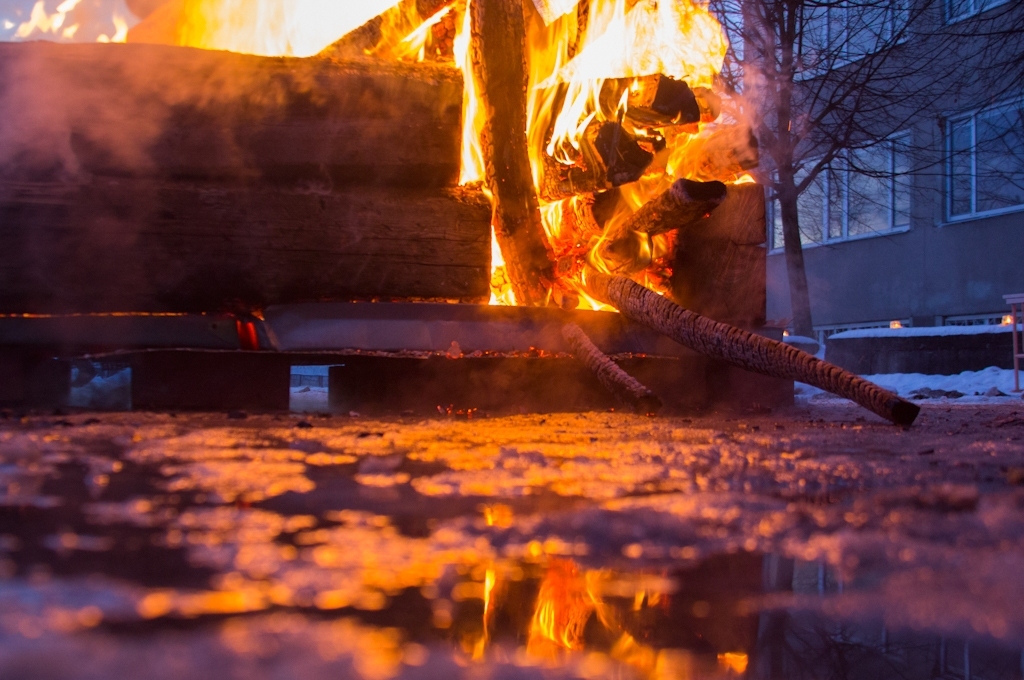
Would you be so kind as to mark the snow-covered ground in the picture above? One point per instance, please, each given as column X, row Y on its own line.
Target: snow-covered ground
column 309, row 399
column 919, row 332
column 975, row 386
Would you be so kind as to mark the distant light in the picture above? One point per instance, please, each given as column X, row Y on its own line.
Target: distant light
column 785, row 333
column 734, row 661
column 1007, row 320
column 895, row 324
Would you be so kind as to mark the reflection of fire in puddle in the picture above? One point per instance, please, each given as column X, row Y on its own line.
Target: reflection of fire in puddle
column 503, row 547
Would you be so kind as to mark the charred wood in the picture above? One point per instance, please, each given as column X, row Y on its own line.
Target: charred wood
column 161, row 111
column 147, row 245
column 609, row 157
column 659, row 101
column 744, row 349
column 622, row 385
column 498, row 55
column 680, row 207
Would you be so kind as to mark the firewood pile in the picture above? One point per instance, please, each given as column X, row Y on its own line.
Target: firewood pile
column 150, row 178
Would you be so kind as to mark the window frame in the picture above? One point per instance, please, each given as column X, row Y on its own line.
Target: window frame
column 837, row 33
column 976, row 7
column 947, row 133
column 843, row 172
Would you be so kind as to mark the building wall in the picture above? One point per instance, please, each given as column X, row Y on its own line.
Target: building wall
column 935, row 269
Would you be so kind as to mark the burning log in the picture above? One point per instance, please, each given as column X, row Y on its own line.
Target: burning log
column 152, row 245
column 610, row 157
column 684, row 204
column 681, row 206
column 744, row 349
column 498, row 56
column 660, row 101
column 162, row 111
column 625, row 387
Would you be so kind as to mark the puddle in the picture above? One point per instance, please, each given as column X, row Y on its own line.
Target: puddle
column 231, row 553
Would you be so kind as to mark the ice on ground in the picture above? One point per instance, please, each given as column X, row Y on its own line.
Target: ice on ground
column 104, row 393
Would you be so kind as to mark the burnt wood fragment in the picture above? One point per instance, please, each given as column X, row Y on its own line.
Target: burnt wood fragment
column 609, row 157
column 681, row 207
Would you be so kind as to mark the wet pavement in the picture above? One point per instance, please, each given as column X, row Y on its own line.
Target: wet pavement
column 816, row 542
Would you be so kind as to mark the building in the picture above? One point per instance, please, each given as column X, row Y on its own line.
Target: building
column 935, row 236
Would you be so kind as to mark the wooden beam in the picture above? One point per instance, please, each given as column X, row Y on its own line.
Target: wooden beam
column 150, row 245
column 161, row 111
column 719, row 269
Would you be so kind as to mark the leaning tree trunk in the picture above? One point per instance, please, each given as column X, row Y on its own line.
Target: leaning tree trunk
column 744, row 349
column 799, row 295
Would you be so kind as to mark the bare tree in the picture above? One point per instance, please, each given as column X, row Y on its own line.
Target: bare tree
column 825, row 81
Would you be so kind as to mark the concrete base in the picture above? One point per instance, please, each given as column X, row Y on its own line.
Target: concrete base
column 930, row 354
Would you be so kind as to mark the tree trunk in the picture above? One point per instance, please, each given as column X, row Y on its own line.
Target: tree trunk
column 799, row 295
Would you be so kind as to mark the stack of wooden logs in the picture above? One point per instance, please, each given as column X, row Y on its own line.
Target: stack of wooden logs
column 148, row 178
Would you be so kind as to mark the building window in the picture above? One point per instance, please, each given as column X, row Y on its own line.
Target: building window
column 985, row 167
column 961, row 9
column 841, row 32
column 864, row 193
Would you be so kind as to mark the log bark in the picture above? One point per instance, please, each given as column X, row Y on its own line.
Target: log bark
column 498, row 55
column 161, row 111
column 622, row 385
column 149, row 245
column 744, row 349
